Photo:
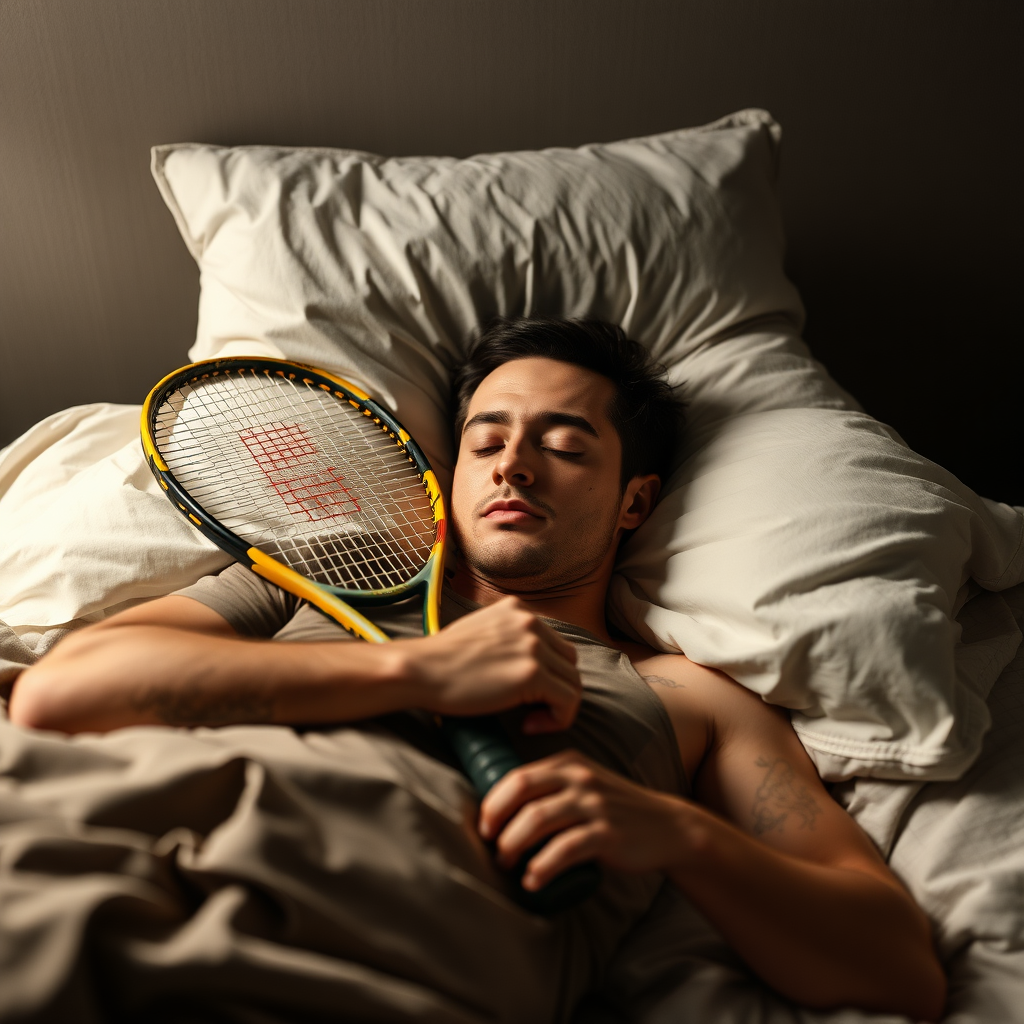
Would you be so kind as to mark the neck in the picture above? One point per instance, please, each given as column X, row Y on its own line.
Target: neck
column 579, row 602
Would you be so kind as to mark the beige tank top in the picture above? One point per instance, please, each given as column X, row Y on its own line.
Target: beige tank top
column 621, row 724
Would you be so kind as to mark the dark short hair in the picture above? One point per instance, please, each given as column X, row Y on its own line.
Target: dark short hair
column 645, row 411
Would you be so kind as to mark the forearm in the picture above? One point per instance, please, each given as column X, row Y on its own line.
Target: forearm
column 176, row 662
column 823, row 936
column 107, row 678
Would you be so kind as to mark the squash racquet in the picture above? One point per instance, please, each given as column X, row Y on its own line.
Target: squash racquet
column 305, row 479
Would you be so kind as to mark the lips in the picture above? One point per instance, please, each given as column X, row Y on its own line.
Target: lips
column 511, row 511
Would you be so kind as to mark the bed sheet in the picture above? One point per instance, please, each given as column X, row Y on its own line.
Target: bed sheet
column 247, row 903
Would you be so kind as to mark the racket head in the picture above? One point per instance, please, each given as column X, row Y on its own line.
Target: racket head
column 303, row 477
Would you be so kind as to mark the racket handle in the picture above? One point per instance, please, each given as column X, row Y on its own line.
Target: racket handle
column 482, row 748
column 486, row 755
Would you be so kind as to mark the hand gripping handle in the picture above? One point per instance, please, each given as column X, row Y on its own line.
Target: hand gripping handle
column 486, row 755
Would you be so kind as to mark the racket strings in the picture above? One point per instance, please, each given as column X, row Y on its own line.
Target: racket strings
column 301, row 474
column 325, row 557
column 383, row 558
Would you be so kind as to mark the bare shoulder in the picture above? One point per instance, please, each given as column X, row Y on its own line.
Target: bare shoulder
column 676, row 671
column 696, row 689
column 695, row 698
column 746, row 763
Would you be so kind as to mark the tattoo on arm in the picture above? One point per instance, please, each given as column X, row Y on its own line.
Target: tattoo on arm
column 194, row 706
column 779, row 796
column 662, row 681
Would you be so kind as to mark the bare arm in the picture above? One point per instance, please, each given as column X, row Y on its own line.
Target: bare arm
column 175, row 661
column 779, row 868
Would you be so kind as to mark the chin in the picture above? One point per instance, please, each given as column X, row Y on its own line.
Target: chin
column 509, row 557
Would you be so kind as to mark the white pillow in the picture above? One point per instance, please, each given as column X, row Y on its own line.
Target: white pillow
column 382, row 269
column 807, row 551
column 812, row 556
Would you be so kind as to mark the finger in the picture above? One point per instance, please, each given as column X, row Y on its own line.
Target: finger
column 559, row 712
column 562, row 650
column 540, row 721
column 536, row 821
column 561, row 697
column 572, row 846
column 557, row 717
column 514, row 790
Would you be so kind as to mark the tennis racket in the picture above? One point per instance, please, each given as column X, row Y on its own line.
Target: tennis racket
column 305, row 479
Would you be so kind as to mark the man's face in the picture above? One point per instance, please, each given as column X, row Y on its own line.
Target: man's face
column 536, row 497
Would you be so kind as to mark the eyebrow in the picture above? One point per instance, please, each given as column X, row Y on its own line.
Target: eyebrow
column 554, row 419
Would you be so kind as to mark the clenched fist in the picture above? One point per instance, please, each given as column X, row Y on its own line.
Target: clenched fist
column 589, row 813
column 499, row 657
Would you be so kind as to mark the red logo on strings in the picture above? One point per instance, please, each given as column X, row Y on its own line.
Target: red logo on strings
column 291, row 462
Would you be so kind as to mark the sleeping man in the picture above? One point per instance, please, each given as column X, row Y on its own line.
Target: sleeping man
column 652, row 765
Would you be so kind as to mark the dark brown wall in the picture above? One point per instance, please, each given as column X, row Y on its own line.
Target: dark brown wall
column 902, row 167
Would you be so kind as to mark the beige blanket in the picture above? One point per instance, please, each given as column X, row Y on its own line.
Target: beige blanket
column 261, row 874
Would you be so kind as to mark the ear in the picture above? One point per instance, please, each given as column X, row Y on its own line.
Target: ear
column 638, row 500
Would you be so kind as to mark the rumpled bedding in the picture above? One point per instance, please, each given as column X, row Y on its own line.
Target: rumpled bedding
column 258, row 874
column 261, row 874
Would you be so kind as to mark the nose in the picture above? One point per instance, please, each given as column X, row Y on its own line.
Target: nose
column 513, row 465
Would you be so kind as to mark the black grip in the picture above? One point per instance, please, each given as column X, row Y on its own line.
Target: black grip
column 483, row 750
